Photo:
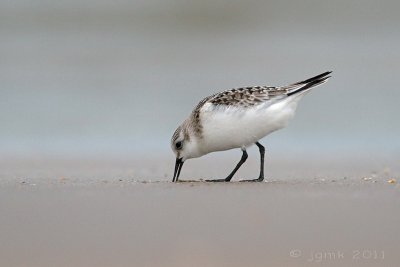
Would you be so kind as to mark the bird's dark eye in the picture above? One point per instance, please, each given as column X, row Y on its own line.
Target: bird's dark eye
column 179, row 145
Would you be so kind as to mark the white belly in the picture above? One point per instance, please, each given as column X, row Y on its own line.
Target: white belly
column 237, row 127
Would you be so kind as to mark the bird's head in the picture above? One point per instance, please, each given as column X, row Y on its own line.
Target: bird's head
column 184, row 145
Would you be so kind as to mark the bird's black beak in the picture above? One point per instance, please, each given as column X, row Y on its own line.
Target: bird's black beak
column 178, row 166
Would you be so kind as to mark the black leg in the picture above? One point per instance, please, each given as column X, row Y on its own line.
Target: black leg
column 228, row 179
column 260, row 178
column 261, row 148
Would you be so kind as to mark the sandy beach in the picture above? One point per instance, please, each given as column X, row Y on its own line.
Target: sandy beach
column 119, row 219
column 91, row 92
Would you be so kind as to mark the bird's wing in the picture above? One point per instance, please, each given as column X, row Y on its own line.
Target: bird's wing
column 255, row 95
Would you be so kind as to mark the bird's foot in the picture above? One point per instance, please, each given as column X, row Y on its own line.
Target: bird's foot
column 260, row 179
column 218, row 180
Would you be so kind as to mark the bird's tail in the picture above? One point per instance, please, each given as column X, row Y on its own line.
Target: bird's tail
column 308, row 84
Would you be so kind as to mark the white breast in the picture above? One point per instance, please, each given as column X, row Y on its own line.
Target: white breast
column 233, row 127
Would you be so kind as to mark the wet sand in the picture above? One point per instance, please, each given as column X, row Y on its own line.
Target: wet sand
column 116, row 218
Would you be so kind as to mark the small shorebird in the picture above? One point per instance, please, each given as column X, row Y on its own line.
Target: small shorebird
column 238, row 118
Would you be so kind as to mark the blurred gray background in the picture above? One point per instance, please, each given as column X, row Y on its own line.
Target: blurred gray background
column 82, row 79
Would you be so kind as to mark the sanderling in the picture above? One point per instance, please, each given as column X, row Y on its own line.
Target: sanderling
column 238, row 118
